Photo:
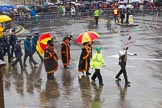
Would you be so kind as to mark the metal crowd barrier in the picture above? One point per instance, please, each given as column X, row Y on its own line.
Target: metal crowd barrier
column 53, row 16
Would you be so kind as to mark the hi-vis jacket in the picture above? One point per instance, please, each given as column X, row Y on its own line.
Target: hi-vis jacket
column 96, row 13
column 97, row 61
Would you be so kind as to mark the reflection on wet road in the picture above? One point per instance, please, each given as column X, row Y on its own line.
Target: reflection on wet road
column 31, row 89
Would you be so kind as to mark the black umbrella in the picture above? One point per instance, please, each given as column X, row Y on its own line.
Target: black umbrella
column 8, row 14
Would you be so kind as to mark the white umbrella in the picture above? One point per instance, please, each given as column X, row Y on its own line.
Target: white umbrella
column 133, row 1
column 129, row 6
column 121, row 7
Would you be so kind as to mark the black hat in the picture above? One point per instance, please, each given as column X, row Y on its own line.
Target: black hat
column 65, row 38
column 36, row 33
column 13, row 30
column 29, row 35
column 49, row 42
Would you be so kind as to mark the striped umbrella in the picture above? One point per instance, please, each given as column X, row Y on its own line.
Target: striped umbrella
column 88, row 36
column 42, row 43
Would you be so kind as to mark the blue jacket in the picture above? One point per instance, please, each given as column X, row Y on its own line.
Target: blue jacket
column 34, row 42
column 32, row 12
column 28, row 46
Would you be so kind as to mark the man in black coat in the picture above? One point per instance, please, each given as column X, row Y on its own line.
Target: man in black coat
column 12, row 41
column 65, row 52
column 50, row 60
column 6, row 47
column 18, row 54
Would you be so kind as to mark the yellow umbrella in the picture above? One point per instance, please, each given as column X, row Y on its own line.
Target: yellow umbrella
column 4, row 18
column 88, row 36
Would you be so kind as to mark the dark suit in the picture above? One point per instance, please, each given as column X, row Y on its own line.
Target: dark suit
column 122, row 63
column 18, row 55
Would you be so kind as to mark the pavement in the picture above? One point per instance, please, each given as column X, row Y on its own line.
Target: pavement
column 31, row 89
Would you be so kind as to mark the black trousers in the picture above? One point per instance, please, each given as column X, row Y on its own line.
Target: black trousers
column 38, row 54
column 12, row 50
column 123, row 70
column 7, row 50
column 96, row 20
column 30, row 57
column 18, row 59
column 98, row 75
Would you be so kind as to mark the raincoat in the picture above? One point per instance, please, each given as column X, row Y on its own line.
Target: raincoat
column 97, row 61
column 97, row 12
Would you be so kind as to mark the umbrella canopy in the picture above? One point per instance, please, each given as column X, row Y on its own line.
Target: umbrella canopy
column 129, row 6
column 8, row 14
column 87, row 37
column 42, row 43
column 121, row 7
column 4, row 18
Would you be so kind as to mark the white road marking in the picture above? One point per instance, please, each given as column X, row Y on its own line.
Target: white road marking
column 135, row 58
column 130, row 66
column 153, row 37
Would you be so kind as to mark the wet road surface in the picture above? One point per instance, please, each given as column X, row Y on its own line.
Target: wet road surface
column 31, row 89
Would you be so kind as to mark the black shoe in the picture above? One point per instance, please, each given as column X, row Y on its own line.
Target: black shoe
column 25, row 65
column 93, row 80
column 50, row 77
column 83, row 76
column 128, row 82
column 128, row 85
column 65, row 67
column 87, row 73
column 13, row 66
column 35, row 63
column 118, row 79
column 101, row 84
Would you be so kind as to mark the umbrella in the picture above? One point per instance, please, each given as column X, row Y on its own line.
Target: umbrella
column 129, row 6
column 87, row 37
column 8, row 14
column 4, row 18
column 133, row 1
column 121, row 7
column 42, row 43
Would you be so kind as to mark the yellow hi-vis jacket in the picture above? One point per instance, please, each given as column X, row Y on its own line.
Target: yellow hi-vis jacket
column 97, row 12
column 115, row 11
column 97, row 61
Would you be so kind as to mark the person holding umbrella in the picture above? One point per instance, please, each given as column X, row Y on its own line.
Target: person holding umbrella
column 86, row 39
column 50, row 60
column 84, row 61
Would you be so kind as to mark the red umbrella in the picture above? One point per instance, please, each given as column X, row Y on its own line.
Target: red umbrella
column 88, row 36
column 42, row 43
